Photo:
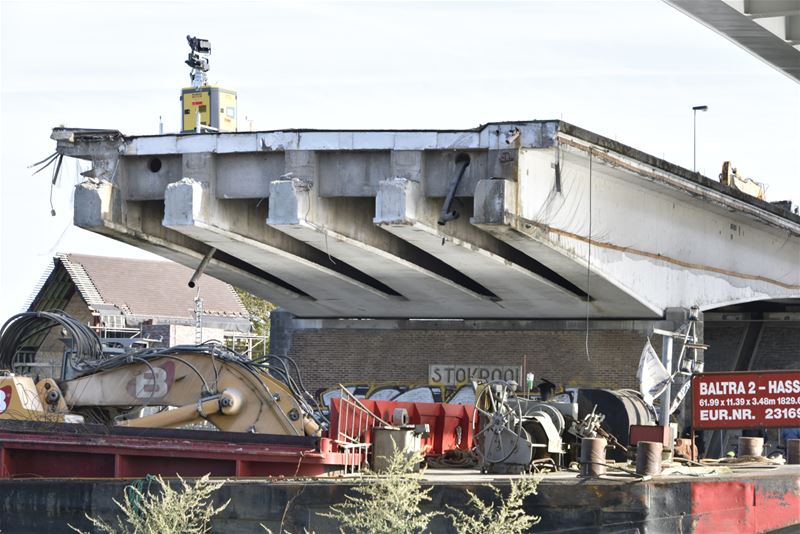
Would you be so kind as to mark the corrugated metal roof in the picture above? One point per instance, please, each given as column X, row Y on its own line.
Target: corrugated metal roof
column 149, row 288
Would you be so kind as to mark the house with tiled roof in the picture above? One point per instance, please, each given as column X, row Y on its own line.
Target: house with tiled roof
column 123, row 297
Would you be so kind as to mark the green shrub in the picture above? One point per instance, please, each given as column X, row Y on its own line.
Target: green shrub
column 387, row 502
column 186, row 510
column 502, row 516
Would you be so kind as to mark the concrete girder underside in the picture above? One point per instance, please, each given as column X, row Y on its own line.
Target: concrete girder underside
column 555, row 221
column 97, row 210
column 308, row 218
column 404, row 212
column 192, row 210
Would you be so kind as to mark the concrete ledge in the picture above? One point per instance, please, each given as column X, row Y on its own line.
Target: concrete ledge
column 555, row 325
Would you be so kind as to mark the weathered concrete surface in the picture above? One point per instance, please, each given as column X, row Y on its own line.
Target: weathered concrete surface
column 646, row 240
column 345, row 223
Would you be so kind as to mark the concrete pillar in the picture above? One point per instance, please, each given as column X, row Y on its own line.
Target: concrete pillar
column 200, row 166
column 289, row 201
column 396, row 201
column 493, row 201
column 93, row 204
column 407, row 164
column 281, row 328
column 301, row 164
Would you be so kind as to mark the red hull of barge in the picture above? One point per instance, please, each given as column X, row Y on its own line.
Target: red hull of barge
column 189, row 453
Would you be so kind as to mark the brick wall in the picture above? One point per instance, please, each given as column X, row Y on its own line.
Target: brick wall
column 723, row 341
column 779, row 347
column 327, row 357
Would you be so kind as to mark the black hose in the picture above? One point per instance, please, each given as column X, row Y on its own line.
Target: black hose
column 88, row 353
column 297, row 387
column 447, row 214
column 18, row 329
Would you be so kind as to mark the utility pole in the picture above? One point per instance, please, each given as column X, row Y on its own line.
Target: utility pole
column 695, row 109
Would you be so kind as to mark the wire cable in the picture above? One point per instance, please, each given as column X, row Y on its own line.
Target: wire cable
column 589, row 260
column 19, row 329
column 85, row 356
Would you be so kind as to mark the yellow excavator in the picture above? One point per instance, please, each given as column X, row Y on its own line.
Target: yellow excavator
column 730, row 176
column 157, row 388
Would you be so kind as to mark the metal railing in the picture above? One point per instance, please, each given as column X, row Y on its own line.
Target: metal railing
column 353, row 421
column 252, row 346
column 113, row 332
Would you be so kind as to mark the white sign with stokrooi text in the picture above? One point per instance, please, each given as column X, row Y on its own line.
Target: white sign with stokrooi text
column 453, row 375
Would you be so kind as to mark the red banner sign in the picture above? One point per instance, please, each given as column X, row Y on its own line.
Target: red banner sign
column 746, row 399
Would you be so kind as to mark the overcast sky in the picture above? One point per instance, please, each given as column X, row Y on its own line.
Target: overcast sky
column 627, row 70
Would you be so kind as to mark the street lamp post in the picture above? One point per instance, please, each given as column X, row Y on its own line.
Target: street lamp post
column 695, row 109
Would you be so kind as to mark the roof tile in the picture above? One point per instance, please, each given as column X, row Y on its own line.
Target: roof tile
column 145, row 287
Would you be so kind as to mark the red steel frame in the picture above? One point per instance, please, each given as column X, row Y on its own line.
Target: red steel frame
column 51, row 455
column 450, row 424
column 33, row 453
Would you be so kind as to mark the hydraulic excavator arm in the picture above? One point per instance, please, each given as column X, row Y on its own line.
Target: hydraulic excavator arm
column 231, row 392
column 187, row 384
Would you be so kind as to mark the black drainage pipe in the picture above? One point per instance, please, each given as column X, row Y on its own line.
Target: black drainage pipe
column 462, row 162
column 202, row 267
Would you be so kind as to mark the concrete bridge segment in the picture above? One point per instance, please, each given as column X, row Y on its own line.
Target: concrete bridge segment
column 335, row 224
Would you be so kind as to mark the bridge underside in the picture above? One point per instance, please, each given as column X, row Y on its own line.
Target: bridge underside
column 768, row 29
column 552, row 221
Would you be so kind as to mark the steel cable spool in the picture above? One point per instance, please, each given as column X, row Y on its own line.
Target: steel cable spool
column 648, row 458
column 555, row 416
column 498, row 419
column 593, row 457
column 750, row 446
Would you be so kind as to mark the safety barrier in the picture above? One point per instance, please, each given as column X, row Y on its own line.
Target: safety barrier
column 350, row 430
column 450, row 425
